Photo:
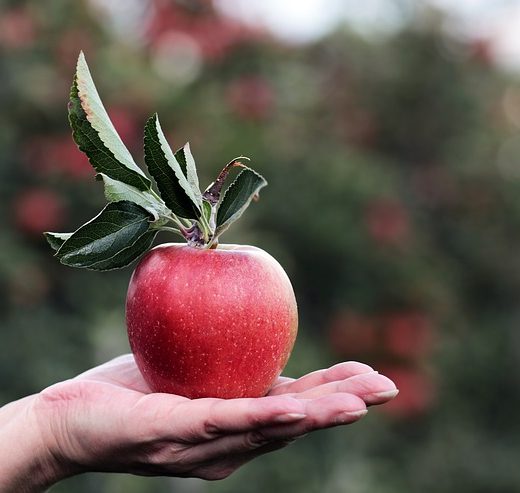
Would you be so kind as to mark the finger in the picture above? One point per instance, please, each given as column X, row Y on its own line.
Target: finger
column 372, row 387
column 235, row 449
column 281, row 379
column 224, row 465
column 341, row 371
column 118, row 361
column 205, row 419
column 121, row 371
column 331, row 410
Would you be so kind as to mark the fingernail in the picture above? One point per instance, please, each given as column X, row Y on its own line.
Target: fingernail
column 289, row 417
column 388, row 394
column 348, row 416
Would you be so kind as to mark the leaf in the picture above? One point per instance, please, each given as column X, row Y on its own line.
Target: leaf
column 237, row 198
column 117, row 191
column 55, row 240
column 187, row 164
column 206, row 210
column 95, row 134
column 127, row 255
column 167, row 172
column 212, row 193
column 118, row 226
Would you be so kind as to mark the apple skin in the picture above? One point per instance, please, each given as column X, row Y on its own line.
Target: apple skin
column 210, row 322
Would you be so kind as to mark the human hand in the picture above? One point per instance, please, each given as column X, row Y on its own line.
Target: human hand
column 107, row 419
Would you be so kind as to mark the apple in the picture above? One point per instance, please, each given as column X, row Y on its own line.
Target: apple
column 204, row 319
column 210, row 322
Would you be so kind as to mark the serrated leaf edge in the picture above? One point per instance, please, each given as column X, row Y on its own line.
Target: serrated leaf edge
column 98, row 117
column 226, row 224
column 191, row 172
column 175, row 166
column 142, row 198
column 51, row 236
column 57, row 253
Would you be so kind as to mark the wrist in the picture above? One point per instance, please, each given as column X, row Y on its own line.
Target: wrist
column 28, row 458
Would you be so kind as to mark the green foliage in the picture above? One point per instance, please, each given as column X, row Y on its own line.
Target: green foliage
column 185, row 159
column 178, row 194
column 96, row 136
column 237, row 198
column 116, row 191
column 113, row 237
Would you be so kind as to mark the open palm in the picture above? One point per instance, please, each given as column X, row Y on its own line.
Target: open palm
column 108, row 419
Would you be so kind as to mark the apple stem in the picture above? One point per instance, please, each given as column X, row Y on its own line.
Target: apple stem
column 194, row 236
column 202, row 231
column 206, row 229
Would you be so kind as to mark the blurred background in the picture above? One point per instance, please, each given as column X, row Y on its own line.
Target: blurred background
column 389, row 131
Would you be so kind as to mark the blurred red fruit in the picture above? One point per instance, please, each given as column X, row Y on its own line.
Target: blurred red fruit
column 408, row 334
column 416, row 392
column 126, row 126
column 38, row 210
column 60, row 154
column 352, row 334
column 17, row 29
column 251, row 97
column 215, row 34
column 387, row 222
column 481, row 50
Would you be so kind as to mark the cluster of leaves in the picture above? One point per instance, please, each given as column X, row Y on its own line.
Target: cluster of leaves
column 126, row 228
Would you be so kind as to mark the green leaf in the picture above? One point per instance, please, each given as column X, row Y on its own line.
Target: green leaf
column 206, row 210
column 127, row 255
column 55, row 240
column 118, row 226
column 167, row 172
column 187, row 164
column 237, row 197
column 95, row 134
column 212, row 193
column 116, row 191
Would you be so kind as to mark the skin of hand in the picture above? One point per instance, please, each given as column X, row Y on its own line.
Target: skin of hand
column 108, row 420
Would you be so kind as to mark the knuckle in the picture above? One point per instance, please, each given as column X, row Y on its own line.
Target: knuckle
column 255, row 439
column 161, row 455
column 63, row 393
column 209, row 428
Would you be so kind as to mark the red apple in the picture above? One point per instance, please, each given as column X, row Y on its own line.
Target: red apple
column 210, row 322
